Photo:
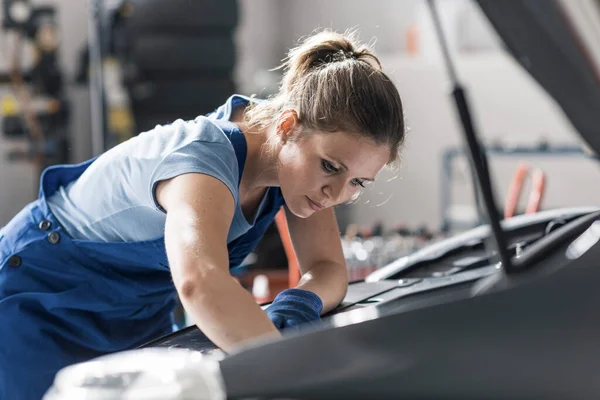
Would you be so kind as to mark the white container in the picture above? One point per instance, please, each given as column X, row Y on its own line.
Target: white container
column 146, row 374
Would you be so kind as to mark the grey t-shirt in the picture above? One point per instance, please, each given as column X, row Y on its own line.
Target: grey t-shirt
column 113, row 200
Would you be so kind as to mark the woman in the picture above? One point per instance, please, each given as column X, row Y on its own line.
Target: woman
column 94, row 264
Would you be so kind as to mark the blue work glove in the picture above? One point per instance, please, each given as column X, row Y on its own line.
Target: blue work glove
column 293, row 307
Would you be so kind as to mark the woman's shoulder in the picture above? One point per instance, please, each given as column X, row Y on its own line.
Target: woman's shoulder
column 181, row 133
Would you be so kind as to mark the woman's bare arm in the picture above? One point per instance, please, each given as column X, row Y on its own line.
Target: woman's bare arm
column 318, row 247
column 200, row 210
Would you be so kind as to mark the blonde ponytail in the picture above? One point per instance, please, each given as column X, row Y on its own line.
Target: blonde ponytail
column 336, row 83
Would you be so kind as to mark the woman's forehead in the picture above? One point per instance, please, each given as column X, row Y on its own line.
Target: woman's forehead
column 344, row 142
column 352, row 149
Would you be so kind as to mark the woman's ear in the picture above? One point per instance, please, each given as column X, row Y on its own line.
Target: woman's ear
column 286, row 125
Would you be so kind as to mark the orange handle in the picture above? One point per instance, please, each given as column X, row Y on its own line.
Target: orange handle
column 538, row 183
column 514, row 190
column 288, row 247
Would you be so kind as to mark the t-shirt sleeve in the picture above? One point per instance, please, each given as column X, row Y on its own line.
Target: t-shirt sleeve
column 216, row 159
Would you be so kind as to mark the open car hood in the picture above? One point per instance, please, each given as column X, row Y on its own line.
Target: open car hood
column 558, row 43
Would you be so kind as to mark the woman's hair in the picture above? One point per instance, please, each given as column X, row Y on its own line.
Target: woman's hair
column 336, row 84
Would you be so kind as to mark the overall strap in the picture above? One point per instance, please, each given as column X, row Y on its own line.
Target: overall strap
column 237, row 140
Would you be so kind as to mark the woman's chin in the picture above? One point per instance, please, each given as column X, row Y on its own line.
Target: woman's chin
column 301, row 211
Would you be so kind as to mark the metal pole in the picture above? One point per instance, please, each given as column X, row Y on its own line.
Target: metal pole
column 96, row 76
column 478, row 157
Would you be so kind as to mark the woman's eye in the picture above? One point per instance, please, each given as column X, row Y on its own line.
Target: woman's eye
column 357, row 182
column 328, row 167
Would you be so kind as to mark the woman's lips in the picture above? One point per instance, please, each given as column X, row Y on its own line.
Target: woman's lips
column 314, row 205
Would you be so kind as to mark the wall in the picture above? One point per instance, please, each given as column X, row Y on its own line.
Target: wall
column 508, row 107
column 384, row 20
column 258, row 44
column 268, row 28
column 507, row 103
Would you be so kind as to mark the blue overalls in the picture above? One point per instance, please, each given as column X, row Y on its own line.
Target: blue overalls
column 64, row 300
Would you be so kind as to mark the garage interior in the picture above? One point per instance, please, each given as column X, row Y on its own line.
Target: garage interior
column 80, row 77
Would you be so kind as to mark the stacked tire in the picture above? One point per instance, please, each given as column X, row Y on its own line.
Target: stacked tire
column 179, row 57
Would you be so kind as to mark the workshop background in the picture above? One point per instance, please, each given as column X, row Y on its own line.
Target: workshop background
column 161, row 62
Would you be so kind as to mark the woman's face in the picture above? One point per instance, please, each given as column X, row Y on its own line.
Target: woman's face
column 326, row 169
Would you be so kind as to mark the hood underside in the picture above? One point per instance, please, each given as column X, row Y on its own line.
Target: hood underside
column 558, row 43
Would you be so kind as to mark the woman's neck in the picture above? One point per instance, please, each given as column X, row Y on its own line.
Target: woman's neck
column 260, row 170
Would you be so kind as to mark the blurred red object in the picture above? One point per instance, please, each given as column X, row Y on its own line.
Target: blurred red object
column 538, row 182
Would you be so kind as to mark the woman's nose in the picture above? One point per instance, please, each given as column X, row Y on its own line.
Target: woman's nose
column 334, row 192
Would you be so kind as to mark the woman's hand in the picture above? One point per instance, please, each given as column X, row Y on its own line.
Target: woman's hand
column 294, row 307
